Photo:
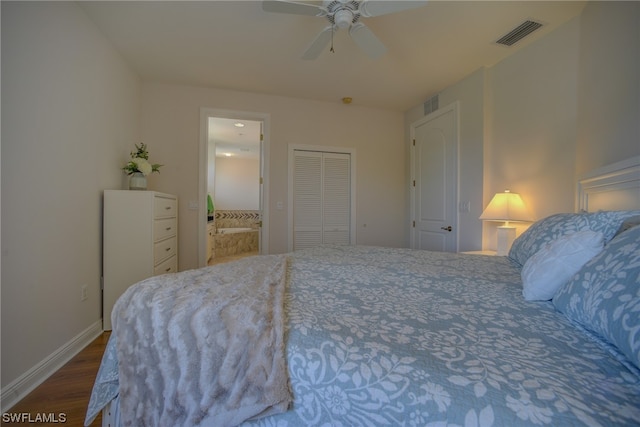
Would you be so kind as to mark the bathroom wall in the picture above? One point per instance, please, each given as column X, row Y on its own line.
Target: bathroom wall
column 237, row 183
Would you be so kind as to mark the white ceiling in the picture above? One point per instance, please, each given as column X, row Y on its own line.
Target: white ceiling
column 237, row 45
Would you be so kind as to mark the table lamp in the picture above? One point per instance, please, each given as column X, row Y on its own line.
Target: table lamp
column 506, row 207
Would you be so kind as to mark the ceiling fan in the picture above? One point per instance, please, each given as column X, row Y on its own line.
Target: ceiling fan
column 343, row 14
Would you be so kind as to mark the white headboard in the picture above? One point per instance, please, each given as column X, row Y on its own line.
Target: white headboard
column 612, row 187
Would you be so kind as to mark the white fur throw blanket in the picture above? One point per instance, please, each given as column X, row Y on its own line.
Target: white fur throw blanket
column 204, row 347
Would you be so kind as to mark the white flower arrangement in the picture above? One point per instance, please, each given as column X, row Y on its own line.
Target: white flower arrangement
column 139, row 162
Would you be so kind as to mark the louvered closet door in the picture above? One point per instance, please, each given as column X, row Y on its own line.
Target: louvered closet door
column 336, row 186
column 307, row 199
column 321, row 198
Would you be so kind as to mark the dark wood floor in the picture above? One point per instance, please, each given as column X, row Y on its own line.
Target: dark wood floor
column 68, row 390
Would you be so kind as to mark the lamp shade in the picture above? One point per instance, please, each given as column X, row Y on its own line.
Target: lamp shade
column 507, row 207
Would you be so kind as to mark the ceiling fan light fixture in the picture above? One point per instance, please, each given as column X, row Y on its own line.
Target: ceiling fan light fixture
column 343, row 14
column 343, row 18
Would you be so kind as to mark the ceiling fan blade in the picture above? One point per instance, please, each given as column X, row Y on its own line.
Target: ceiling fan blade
column 376, row 8
column 366, row 40
column 318, row 44
column 293, row 7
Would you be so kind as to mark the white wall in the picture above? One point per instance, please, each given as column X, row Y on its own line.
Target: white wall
column 70, row 116
column 237, row 183
column 170, row 124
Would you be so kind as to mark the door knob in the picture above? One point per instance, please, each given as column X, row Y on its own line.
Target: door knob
column 446, row 228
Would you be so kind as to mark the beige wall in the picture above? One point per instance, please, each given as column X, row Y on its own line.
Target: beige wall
column 565, row 106
column 470, row 94
column 532, row 145
column 608, row 85
column 70, row 116
column 531, row 148
column 170, row 124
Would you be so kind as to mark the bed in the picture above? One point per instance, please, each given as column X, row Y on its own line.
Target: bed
column 360, row 336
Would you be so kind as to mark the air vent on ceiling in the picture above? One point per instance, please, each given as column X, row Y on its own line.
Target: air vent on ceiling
column 518, row 33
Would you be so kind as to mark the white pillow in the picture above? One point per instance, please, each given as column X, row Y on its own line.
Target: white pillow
column 557, row 262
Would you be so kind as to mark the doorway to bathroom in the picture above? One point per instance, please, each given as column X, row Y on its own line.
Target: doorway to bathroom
column 234, row 148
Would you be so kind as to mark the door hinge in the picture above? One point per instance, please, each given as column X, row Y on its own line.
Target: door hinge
column 102, row 283
column 414, row 224
column 414, row 142
column 261, row 180
column 414, row 182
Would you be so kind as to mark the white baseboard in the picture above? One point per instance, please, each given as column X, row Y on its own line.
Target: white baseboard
column 27, row 382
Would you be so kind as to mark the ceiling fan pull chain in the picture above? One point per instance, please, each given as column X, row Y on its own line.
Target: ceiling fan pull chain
column 331, row 50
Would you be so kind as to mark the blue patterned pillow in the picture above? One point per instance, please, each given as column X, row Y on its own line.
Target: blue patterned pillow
column 558, row 225
column 604, row 296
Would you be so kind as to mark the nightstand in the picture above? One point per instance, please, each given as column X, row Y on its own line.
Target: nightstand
column 492, row 253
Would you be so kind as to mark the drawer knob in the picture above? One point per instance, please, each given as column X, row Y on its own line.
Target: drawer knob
column 168, row 269
column 168, row 249
column 168, row 228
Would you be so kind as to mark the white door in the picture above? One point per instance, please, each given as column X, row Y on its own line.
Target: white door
column 307, row 199
column 321, row 186
column 336, row 186
column 435, row 172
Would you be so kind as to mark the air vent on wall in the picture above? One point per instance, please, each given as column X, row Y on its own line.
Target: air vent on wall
column 518, row 33
column 431, row 105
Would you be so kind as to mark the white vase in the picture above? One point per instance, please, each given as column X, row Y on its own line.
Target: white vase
column 137, row 181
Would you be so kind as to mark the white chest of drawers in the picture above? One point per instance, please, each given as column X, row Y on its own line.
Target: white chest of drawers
column 140, row 240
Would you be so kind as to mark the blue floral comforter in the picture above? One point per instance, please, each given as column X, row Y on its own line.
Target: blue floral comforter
column 380, row 336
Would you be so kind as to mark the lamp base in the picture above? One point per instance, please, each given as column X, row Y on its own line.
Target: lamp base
column 506, row 236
